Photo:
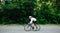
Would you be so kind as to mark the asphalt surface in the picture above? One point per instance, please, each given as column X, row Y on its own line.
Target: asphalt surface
column 20, row 29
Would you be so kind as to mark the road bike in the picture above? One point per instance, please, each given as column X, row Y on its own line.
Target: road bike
column 28, row 27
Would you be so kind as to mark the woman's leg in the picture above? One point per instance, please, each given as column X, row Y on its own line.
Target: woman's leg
column 33, row 25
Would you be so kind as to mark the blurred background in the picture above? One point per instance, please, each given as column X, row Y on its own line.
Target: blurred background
column 17, row 11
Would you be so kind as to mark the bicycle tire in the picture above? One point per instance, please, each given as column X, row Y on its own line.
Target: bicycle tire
column 27, row 28
column 37, row 28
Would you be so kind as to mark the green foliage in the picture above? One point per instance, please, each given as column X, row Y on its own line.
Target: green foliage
column 17, row 11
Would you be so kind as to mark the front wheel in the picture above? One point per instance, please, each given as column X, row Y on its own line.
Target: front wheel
column 27, row 28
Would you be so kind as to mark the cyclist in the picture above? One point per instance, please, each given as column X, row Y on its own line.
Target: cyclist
column 32, row 21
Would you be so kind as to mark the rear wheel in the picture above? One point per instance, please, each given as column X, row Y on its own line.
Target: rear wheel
column 37, row 28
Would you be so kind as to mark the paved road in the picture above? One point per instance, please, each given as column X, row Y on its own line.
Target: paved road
column 20, row 29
